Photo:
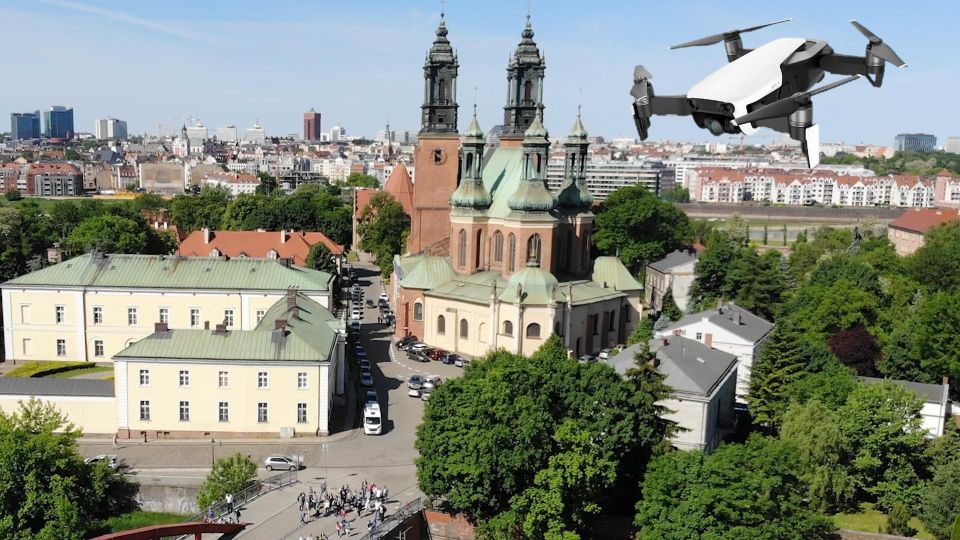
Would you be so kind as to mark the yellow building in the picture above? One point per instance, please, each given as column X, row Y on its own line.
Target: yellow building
column 91, row 307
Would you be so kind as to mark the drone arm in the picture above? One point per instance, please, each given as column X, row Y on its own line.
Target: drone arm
column 845, row 64
column 677, row 105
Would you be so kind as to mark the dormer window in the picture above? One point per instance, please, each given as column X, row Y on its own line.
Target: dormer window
column 215, row 253
column 272, row 254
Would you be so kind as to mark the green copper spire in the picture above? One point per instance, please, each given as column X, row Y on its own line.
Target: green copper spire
column 574, row 193
column 471, row 194
column 532, row 194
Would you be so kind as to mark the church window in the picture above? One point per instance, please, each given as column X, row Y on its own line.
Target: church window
column 512, row 246
column 438, row 156
column 498, row 247
column 527, row 91
column 533, row 330
column 418, row 311
column 462, row 248
column 507, row 328
column 441, row 325
column 479, row 243
column 464, row 329
column 533, row 248
column 482, row 333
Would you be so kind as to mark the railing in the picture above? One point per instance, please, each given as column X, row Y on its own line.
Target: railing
column 254, row 490
column 393, row 521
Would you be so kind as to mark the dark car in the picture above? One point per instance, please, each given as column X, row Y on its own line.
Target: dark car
column 402, row 343
column 449, row 359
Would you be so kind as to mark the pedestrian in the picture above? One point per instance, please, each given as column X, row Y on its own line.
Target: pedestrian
column 236, row 514
column 114, row 440
column 229, row 499
column 303, row 518
column 386, row 492
column 339, row 529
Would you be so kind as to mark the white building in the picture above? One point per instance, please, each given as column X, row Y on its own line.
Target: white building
column 111, row 128
column 254, row 135
column 197, row 132
column 676, row 273
column 337, row 133
column 603, row 178
column 703, row 387
column 730, row 329
column 235, row 183
column 227, row 134
column 936, row 403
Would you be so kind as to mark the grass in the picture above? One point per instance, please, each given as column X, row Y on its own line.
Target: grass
column 135, row 520
column 869, row 519
column 352, row 257
column 69, row 374
column 43, row 369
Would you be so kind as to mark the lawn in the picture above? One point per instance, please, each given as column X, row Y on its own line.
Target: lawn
column 43, row 369
column 869, row 519
column 80, row 371
column 135, row 520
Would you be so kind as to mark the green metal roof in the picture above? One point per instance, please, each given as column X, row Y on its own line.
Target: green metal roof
column 531, row 285
column 428, row 273
column 615, row 274
column 309, row 336
column 501, row 177
column 475, row 288
column 169, row 272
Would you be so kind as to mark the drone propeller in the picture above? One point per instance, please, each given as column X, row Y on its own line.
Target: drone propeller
column 789, row 105
column 877, row 47
column 717, row 38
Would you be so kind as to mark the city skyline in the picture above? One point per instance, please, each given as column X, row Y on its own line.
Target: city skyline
column 359, row 65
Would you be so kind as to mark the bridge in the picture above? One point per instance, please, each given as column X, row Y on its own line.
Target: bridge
column 196, row 528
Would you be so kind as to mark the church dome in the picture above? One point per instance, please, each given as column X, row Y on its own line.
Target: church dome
column 531, row 285
column 471, row 194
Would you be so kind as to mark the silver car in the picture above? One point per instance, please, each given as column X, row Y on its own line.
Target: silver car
column 279, row 463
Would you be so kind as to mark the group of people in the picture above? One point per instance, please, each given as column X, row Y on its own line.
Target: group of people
column 369, row 498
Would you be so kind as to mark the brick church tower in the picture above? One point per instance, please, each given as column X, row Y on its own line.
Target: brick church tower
column 437, row 156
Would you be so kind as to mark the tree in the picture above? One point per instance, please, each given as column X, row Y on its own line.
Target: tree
column 320, row 258
column 713, row 264
column 882, row 423
column 193, row 212
column 12, row 195
column 229, row 475
column 937, row 264
column 925, row 346
column 542, row 442
column 71, row 155
column 110, row 233
column 749, row 490
column 670, row 308
column 383, row 228
column 639, row 228
column 46, row 489
column 941, row 500
column 856, row 347
column 782, row 361
column 898, row 521
column 267, row 185
column 814, row 431
column 643, row 332
column 362, row 180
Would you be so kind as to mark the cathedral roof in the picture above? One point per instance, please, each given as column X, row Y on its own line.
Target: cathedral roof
column 441, row 51
column 527, row 51
column 401, row 187
column 611, row 271
column 473, row 130
column 531, row 285
column 536, row 132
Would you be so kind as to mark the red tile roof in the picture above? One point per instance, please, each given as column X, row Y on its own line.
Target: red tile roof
column 921, row 220
column 257, row 244
column 399, row 185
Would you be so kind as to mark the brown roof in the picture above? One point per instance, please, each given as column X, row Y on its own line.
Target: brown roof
column 921, row 220
column 401, row 187
column 363, row 199
column 257, row 244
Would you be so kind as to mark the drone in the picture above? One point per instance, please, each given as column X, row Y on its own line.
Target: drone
column 770, row 86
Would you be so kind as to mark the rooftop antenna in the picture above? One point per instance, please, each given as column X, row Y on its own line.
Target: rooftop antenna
column 529, row 9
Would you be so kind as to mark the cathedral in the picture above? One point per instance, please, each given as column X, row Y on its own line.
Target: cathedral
column 494, row 258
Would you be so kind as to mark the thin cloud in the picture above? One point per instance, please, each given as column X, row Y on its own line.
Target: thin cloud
column 124, row 17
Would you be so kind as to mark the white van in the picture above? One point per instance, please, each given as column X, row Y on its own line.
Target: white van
column 372, row 424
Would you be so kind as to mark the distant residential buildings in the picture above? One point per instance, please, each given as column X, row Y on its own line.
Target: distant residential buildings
column 254, row 135
column 227, row 133
column 55, row 179
column 58, row 122
column 311, row 125
column 603, row 178
column 198, row 132
column 233, row 182
column 802, row 187
column 908, row 232
column 915, row 142
column 953, row 145
column 293, row 245
column 111, row 128
column 25, row 125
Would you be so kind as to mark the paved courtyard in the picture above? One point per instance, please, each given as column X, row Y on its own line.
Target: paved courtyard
column 347, row 457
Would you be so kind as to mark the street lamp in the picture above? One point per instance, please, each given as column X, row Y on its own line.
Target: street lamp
column 212, row 446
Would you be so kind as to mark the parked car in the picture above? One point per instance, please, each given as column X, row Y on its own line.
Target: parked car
column 356, row 314
column 371, row 397
column 109, row 459
column 354, row 326
column 366, row 378
column 403, row 342
column 369, row 303
column 384, row 297
column 437, row 354
column 604, row 354
column 461, row 362
column 365, row 364
column 425, row 393
column 420, row 356
column 449, row 359
column 431, row 382
column 372, row 422
column 414, row 392
column 280, row 463
column 587, row 358
column 415, row 381
column 419, row 346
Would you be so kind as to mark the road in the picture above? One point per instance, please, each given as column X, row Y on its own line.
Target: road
column 349, row 456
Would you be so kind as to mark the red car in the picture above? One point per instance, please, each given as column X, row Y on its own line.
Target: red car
column 437, row 354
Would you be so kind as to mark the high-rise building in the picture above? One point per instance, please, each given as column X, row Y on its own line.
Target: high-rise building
column 338, row 133
column 311, row 125
column 111, row 128
column 58, row 122
column 953, row 145
column 603, row 178
column 25, row 125
column 915, row 142
column 255, row 135
column 227, row 134
column 197, row 132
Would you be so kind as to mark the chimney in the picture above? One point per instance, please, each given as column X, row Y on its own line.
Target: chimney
column 206, row 235
column 162, row 327
column 220, row 330
column 279, row 324
column 291, row 298
column 283, row 236
column 206, row 325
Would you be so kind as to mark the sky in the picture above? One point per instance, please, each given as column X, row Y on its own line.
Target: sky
column 359, row 63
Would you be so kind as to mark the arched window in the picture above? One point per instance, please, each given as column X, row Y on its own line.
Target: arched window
column 527, row 91
column 613, row 316
column 507, row 328
column 512, row 246
column 479, row 244
column 533, row 330
column 441, row 325
column 533, row 248
column 469, row 164
column 464, row 329
column 482, row 333
column 418, row 311
column 462, row 245
column 498, row 246
column 443, row 90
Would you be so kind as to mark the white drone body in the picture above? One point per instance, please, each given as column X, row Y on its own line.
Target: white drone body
column 769, row 86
